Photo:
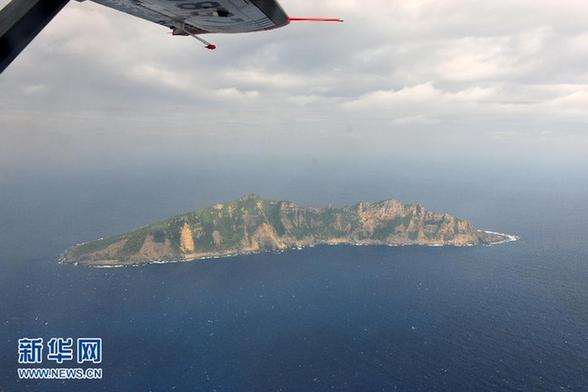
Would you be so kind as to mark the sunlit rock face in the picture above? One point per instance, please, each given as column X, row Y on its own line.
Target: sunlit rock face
column 253, row 224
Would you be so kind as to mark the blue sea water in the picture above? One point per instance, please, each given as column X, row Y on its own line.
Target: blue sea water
column 512, row 317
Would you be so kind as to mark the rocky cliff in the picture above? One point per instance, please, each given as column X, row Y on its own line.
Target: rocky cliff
column 252, row 224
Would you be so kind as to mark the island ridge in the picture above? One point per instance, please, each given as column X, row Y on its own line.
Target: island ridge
column 253, row 224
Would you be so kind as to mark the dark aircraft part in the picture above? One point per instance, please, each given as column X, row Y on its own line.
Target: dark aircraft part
column 273, row 11
column 223, row 13
column 20, row 22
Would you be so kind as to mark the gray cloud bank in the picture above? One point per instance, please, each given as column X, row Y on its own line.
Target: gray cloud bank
column 449, row 79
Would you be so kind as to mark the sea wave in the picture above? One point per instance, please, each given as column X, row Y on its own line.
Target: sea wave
column 508, row 237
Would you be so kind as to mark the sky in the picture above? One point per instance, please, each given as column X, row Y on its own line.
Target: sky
column 447, row 80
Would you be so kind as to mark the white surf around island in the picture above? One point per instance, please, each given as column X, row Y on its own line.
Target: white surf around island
column 508, row 237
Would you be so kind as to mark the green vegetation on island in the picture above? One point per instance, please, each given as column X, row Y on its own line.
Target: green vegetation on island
column 253, row 224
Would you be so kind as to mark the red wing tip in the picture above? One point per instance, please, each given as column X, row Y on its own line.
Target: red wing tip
column 305, row 19
column 211, row 47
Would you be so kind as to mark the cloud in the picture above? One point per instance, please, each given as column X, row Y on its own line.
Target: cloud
column 394, row 77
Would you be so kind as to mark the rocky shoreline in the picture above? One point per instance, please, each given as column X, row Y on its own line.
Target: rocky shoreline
column 252, row 225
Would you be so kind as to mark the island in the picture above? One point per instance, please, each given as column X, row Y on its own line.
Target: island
column 253, row 224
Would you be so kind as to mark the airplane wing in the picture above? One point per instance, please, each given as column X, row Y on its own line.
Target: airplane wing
column 188, row 17
column 22, row 20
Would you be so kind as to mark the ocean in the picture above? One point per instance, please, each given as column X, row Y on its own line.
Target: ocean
column 510, row 317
